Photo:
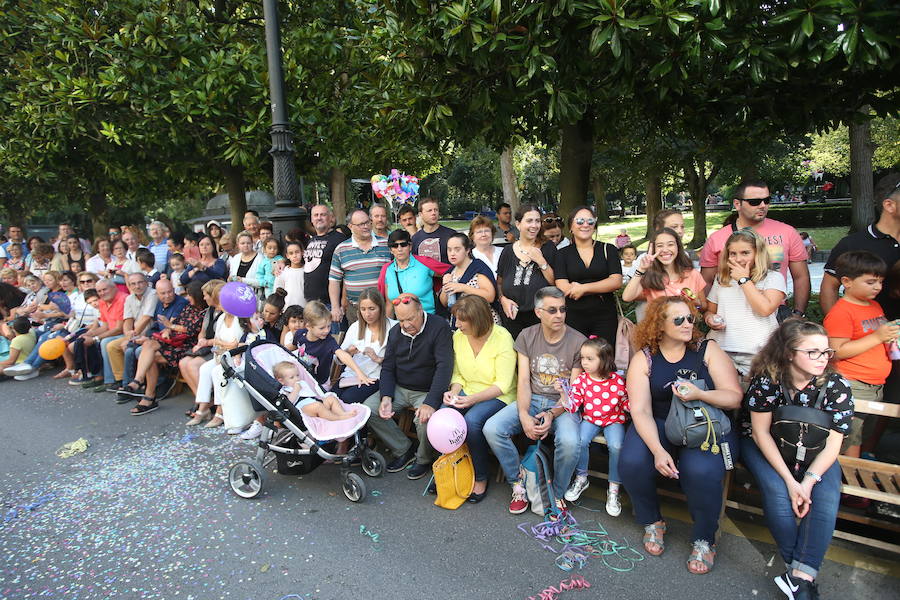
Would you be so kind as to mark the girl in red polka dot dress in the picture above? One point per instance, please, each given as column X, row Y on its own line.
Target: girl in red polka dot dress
column 598, row 394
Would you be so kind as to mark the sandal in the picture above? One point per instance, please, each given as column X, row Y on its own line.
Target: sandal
column 64, row 373
column 143, row 409
column 653, row 534
column 132, row 388
column 217, row 421
column 703, row 553
column 199, row 417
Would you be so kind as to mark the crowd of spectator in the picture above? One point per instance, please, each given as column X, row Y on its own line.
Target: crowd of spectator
column 515, row 325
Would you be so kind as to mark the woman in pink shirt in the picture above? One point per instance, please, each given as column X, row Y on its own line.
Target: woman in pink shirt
column 666, row 270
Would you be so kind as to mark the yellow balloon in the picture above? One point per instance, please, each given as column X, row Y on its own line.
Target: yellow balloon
column 52, row 349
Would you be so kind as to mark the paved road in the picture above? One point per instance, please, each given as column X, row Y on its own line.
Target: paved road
column 145, row 513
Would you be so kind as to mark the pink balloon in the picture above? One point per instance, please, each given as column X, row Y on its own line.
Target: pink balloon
column 446, row 430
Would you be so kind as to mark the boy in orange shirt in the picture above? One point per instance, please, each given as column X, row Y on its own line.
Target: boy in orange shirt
column 858, row 331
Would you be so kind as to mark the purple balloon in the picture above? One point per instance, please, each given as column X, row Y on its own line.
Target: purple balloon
column 238, row 299
column 446, row 430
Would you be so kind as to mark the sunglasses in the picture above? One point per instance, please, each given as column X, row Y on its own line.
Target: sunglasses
column 404, row 299
column 85, row 281
column 817, row 354
column 757, row 201
column 582, row 221
column 682, row 319
column 553, row 310
column 399, row 244
column 552, row 219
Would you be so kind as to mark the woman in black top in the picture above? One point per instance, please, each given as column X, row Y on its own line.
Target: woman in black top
column 589, row 272
column 73, row 255
column 800, row 501
column 525, row 266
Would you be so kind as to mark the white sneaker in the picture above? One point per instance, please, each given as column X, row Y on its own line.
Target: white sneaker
column 23, row 368
column 27, row 376
column 578, row 486
column 613, row 506
column 234, row 430
column 256, row 429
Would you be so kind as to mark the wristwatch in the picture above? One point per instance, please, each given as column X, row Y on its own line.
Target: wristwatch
column 545, row 267
column 798, row 313
column 814, row 476
column 743, row 280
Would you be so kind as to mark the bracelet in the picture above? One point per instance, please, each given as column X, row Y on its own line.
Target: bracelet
column 814, row 476
column 638, row 273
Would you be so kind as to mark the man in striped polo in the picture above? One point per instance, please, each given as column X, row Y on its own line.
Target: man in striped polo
column 357, row 263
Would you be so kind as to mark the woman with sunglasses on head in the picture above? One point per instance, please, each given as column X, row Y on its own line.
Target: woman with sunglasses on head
column 673, row 351
column 525, row 266
column 552, row 230
column 589, row 272
column 792, row 369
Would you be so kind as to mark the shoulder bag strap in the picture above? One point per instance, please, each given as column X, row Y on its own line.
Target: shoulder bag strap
column 397, row 275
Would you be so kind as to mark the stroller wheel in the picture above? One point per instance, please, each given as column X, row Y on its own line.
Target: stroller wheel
column 354, row 487
column 373, row 463
column 246, row 478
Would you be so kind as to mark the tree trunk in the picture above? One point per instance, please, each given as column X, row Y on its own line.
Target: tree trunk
column 697, row 179
column 861, row 192
column 653, row 191
column 575, row 155
column 237, row 195
column 600, row 206
column 339, row 194
column 508, row 179
column 99, row 219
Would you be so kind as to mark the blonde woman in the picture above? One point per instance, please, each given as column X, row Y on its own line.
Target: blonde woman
column 744, row 298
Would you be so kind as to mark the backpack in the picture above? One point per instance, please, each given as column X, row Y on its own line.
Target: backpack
column 800, row 432
column 454, row 478
column 538, row 488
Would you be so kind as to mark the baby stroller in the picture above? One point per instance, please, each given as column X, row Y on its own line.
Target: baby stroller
column 296, row 447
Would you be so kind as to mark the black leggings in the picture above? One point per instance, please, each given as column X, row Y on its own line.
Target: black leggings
column 599, row 324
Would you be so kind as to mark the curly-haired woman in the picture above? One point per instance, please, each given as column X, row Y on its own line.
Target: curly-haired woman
column 672, row 350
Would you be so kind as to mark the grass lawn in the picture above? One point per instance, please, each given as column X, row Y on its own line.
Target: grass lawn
column 824, row 237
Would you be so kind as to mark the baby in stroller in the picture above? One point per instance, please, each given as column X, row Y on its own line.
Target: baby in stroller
column 304, row 415
column 329, row 407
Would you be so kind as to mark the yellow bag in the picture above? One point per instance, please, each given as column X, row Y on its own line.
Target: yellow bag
column 454, row 478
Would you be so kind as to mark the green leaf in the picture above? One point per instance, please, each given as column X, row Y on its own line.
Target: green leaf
column 807, row 25
column 614, row 43
column 599, row 36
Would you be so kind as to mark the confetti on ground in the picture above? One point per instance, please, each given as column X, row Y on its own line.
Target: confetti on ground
column 375, row 537
column 577, row 582
column 72, row 448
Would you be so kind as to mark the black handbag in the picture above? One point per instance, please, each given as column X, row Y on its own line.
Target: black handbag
column 800, row 432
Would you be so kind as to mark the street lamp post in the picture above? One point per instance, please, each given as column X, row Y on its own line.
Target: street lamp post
column 287, row 214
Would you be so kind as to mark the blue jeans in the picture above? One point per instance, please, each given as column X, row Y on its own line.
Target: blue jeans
column 476, row 416
column 700, row 474
column 132, row 352
column 34, row 359
column 614, row 434
column 500, row 428
column 802, row 545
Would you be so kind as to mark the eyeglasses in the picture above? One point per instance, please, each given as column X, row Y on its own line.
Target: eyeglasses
column 552, row 219
column 399, row 245
column 553, row 310
column 683, row 318
column 817, row 354
column 363, row 224
column 404, row 299
column 85, row 281
column 757, row 201
column 583, row 221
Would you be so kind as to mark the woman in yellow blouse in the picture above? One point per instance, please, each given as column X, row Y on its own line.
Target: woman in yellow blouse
column 484, row 378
